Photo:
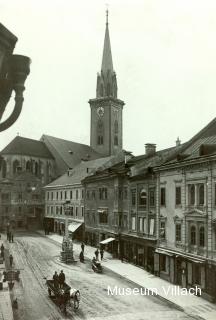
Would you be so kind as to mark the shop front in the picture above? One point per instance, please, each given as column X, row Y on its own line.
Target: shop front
column 138, row 251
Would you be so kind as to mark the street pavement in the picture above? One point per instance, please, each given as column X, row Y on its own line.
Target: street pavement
column 192, row 305
column 6, row 312
column 39, row 257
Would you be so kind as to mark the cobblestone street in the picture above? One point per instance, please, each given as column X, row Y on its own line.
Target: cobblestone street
column 39, row 258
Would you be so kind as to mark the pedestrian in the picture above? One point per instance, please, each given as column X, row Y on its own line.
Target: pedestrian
column 101, row 253
column 56, row 280
column 12, row 237
column 9, row 236
column 82, row 247
column 11, row 260
column 61, row 279
column 2, row 251
column 96, row 254
column 81, row 256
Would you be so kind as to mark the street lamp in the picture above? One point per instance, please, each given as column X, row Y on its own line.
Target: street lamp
column 14, row 70
column 67, row 244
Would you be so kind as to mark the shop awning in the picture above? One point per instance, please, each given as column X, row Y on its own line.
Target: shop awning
column 107, row 240
column 73, row 226
column 180, row 254
column 164, row 252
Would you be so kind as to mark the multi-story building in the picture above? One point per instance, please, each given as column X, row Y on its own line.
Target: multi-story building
column 120, row 207
column 186, row 214
column 21, row 201
column 68, row 189
column 26, row 165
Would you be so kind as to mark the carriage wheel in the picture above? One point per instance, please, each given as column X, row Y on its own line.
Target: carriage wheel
column 49, row 292
column 76, row 304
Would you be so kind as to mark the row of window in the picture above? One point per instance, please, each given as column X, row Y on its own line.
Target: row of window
column 100, row 133
column 196, row 195
column 196, row 237
column 64, row 195
column 60, row 210
column 144, row 226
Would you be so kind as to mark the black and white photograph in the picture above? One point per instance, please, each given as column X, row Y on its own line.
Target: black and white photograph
column 107, row 159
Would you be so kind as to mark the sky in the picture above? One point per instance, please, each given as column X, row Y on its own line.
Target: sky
column 164, row 55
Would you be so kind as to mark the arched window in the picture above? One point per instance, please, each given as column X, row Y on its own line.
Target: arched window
column 15, row 165
column 201, row 194
column 4, row 169
column 202, row 236
column 36, row 168
column 28, row 165
column 100, row 132
column 116, row 140
column 116, row 126
column 116, row 133
column 192, row 194
column 193, row 235
column 143, row 198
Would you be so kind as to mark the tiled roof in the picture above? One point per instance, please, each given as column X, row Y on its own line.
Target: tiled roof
column 205, row 138
column 81, row 171
column 26, row 146
column 68, row 152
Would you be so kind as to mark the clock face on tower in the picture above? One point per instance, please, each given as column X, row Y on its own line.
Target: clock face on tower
column 100, row 111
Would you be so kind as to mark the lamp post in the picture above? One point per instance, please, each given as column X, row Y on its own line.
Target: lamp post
column 67, row 244
column 14, row 70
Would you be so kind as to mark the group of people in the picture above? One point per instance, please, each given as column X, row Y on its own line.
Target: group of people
column 10, row 236
column 59, row 279
column 101, row 254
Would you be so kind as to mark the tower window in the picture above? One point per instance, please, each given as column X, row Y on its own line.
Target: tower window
column 116, row 133
column 100, row 132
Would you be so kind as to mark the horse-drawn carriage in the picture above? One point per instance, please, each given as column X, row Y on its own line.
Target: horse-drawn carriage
column 65, row 296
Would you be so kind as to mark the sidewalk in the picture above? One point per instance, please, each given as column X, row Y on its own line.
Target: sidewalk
column 192, row 305
column 6, row 312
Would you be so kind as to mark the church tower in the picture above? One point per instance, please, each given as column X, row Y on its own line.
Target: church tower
column 106, row 108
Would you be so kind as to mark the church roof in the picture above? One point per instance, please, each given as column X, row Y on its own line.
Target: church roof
column 29, row 147
column 107, row 63
column 68, row 153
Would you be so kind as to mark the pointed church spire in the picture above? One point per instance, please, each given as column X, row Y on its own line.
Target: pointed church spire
column 107, row 63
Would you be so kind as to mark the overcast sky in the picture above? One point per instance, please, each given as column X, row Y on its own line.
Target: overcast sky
column 164, row 54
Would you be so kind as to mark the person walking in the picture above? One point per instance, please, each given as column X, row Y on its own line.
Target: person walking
column 81, row 256
column 82, row 247
column 2, row 251
column 12, row 237
column 101, row 253
column 61, row 279
column 96, row 254
column 56, row 280
column 11, row 260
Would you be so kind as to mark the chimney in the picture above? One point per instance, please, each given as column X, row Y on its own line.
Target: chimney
column 178, row 142
column 150, row 149
column 127, row 156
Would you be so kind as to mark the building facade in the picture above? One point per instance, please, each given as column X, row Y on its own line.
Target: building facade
column 186, row 211
column 64, row 199
column 26, row 166
column 21, row 202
